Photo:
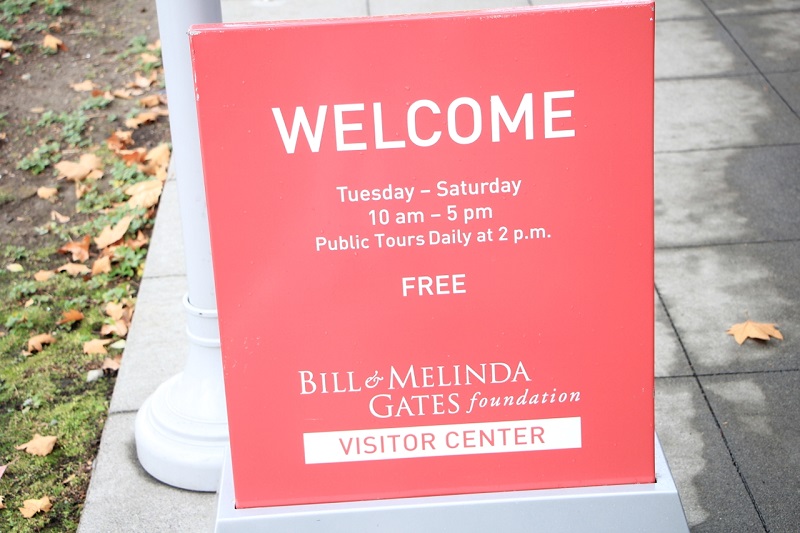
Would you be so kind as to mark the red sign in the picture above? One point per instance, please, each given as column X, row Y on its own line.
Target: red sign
column 433, row 249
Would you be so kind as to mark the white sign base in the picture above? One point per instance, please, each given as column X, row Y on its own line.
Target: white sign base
column 643, row 508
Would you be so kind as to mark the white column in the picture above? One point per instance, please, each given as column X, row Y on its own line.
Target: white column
column 182, row 430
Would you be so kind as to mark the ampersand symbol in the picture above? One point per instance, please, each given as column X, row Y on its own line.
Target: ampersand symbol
column 372, row 381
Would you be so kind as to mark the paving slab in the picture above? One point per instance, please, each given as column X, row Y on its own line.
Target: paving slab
column 701, row 114
column 125, row 498
column 670, row 360
column 737, row 7
column 772, row 41
column 727, row 196
column 699, row 47
column 394, row 7
column 680, row 10
column 788, row 86
column 713, row 497
column 255, row 10
column 760, row 417
column 708, row 289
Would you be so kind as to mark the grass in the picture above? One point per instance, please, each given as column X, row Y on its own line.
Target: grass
column 46, row 391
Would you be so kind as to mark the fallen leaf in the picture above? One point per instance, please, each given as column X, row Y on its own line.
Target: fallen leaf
column 43, row 275
column 1, row 502
column 84, row 86
column 15, row 267
column 46, row 193
column 88, row 166
column 141, row 82
column 80, row 189
column 31, row 507
column 53, row 43
column 109, row 235
column 149, row 58
column 134, row 244
column 58, row 217
column 151, row 100
column 78, row 249
column 101, row 266
column 118, row 345
column 754, row 330
column 158, row 161
column 115, row 310
column 145, row 193
column 37, row 342
column 96, row 346
column 111, row 366
column 118, row 328
column 6, row 46
column 142, row 118
column 74, row 269
column 38, row 445
column 133, row 156
column 70, row 316
column 119, row 140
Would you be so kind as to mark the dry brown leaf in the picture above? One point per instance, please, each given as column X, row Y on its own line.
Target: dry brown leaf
column 119, row 140
column 115, row 310
column 151, row 100
column 43, row 275
column 84, row 86
column 39, row 445
column 37, row 342
column 96, row 346
column 141, row 82
column 142, row 118
column 134, row 156
column 118, row 328
column 754, row 330
column 1, row 498
column 58, row 217
column 69, row 316
column 149, row 58
column 53, row 43
column 46, row 193
column 140, row 240
column 109, row 235
column 111, row 366
column 31, row 507
column 101, row 266
column 78, row 249
column 80, row 189
column 6, row 46
column 74, row 269
column 158, row 161
column 145, row 193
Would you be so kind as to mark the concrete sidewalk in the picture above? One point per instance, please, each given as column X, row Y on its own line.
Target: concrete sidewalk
column 727, row 170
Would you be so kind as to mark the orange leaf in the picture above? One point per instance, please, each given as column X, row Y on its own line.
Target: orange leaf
column 31, row 507
column 38, row 445
column 58, row 217
column 72, row 315
column 101, row 266
column 46, row 193
column 78, row 249
column 111, row 366
column 84, row 86
column 1, row 497
column 37, row 342
column 109, row 235
column 118, row 328
column 6, row 46
column 74, row 269
column 119, row 140
column 43, row 275
column 53, row 43
column 96, row 346
column 115, row 310
column 144, row 194
column 141, row 118
column 151, row 100
column 754, row 330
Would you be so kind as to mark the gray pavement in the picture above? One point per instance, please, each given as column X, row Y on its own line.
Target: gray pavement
column 727, row 170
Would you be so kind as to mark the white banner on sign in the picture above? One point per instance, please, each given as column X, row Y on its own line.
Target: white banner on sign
column 432, row 441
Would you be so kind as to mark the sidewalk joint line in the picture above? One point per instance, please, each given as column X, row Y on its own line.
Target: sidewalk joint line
column 732, row 147
column 713, row 414
column 721, row 244
column 752, row 62
column 732, row 373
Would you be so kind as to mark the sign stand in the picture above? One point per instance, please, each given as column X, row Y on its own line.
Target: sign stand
column 637, row 508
